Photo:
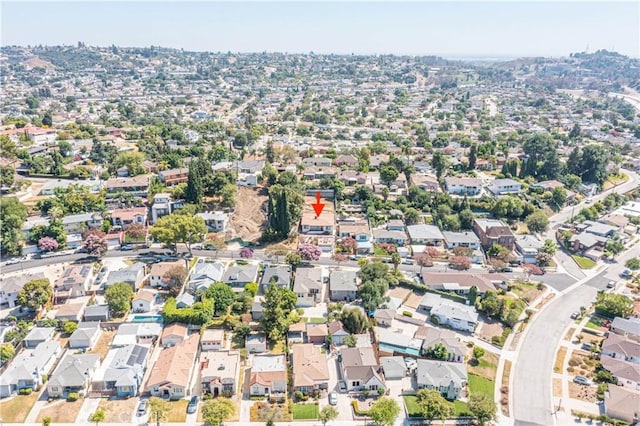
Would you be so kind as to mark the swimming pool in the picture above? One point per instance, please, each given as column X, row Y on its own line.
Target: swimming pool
column 147, row 318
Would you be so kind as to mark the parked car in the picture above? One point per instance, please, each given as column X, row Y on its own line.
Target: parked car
column 575, row 315
column 193, row 405
column 407, row 261
column 126, row 247
column 142, row 408
column 588, row 345
column 506, row 269
column 582, row 380
column 626, row 273
column 333, row 398
column 611, row 284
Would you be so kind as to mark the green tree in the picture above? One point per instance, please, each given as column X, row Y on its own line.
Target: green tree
column 593, row 164
column 537, row 221
column 373, row 294
column 354, row 320
column 35, row 293
column 118, row 296
column 97, row 416
column 6, row 352
column 215, row 411
column 327, row 414
column 491, row 304
column 284, row 209
column 7, row 176
column 549, row 247
column 195, row 189
column 478, row 353
column 222, row 295
column 433, row 405
column 439, row 163
column 559, row 196
column 129, row 159
column 46, row 421
column 294, row 259
column 395, row 259
column 158, row 409
column 613, row 305
column 384, row 412
column 472, row 295
column 482, row 407
column 614, row 247
column 438, row 351
column 228, row 195
column 388, row 174
column 472, row 156
column 8, row 147
column 174, row 279
column 277, row 306
column 633, row 264
column 69, row 327
column 179, row 227
column 13, row 214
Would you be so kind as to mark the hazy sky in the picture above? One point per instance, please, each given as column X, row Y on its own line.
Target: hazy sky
column 453, row 28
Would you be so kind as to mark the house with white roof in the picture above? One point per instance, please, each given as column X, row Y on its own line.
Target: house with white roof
column 448, row 378
column 505, row 186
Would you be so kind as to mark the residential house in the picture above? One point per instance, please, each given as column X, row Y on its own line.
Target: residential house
column 238, row 276
column 465, row 239
column 38, row 335
column 312, row 224
column 173, row 177
column 204, row 274
column 505, row 186
column 425, row 182
column 310, row 368
column 463, row 186
column 428, row 235
column 337, row 332
column 143, row 301
column 171, row 374
column 268, row 375
column 432, row 336
column 394, row 367
column 317, row 333
column 629, row 327
column 456, row 315
column 256, row 343
column 600, row 229
column 129, row 216
column 73, row 374
column 461, row 283
column 216, row 221
column 324, row 242
column 626, row 373
column 307, row 285
column 384, row 317
column 528, row 247
column 346, row 160
column 621, row 347
column 70, row 311
column 279, row 275
column 296, row 333
column 622, row 403
column 11, row 286
column 219, row 372
column 144, row 333
column 256, row 309
column 317, row 162
column 121, row 371
column 174, row 334
column 212, row 339
column 74, row 282
column 591, row 245
column 448, row 378
column 359, row 231
column 394, row 343
column 492, row 231
column 185, row 300
column 29, row 368
column 396, row 224
column 164, row 205
column 360, row 369
column 385, row 236
column 159, row 271
column 138, row 186
column 86, row 336
column 343, row 285
column 96, row 313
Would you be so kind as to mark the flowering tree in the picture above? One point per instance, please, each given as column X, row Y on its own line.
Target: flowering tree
column 543, row 259
column 461, row 263
column 339, row 258
column 388, row 248
column 95, row 245
column 93, row 231
column 47, row 244
column 348, row 245
column 246, row 253
column 136, row 231
column 309, row 252
column 422, row 260
column 433, row 252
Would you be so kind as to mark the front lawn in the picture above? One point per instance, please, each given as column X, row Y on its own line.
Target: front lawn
column 305, row 411
column 481, row 385
column 178, row 412
column 16, row 409
column 583, row 262
column 316, row 320
column 460, row 408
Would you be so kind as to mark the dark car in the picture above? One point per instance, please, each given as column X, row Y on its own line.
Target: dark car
column 193, row 405
column 126, row 247
column 142, row 408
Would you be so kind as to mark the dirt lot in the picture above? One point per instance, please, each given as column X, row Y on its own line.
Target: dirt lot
column 118, row 410
column 61, row 411
column 102, row 347
column 582, row 364
column 585, row 393
column 249, row 215
column 490, row 329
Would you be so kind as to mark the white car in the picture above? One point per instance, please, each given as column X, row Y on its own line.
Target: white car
column 333, row 398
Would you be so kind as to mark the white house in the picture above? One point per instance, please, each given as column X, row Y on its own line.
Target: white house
column 505, row 186
column 212, row 339
column 463, row 186
column 268, row 375
column 143, row 301
column 85, row 336
column 216, row 221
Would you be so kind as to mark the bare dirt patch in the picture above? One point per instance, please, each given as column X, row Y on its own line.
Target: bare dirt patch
column 413, row 301
column 581, row 363
column 118, row 410
column 582, row 392
column 490, row 328
column 249, row 215
column 557, row 388
column 102, row 347
column 399, row 293
column 557, row 366
column 61, row 411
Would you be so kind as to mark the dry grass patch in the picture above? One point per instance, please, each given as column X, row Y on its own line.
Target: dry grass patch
column 16, row 409
column 486, row 367
column 582, row 364
column 178, row 411
column 102, row 347
column 584, row 393
column 506, row 374
column 557, row 366
column 399, row 292
column 569, row 334
column 557, row 388
column 118, row 410
column 490, row 329
column 61, row 411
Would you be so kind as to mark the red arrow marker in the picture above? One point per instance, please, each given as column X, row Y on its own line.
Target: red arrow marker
column 318, row 206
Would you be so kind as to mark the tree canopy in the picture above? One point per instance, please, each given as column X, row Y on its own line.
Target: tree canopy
column 35, row 293
column 118, row 296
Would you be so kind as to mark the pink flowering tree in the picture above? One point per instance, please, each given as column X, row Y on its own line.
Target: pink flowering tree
column 246, row 253
column 47, row 244
column 348, row 245
column 309, row 252
column 95, row 245
column 387, row 247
